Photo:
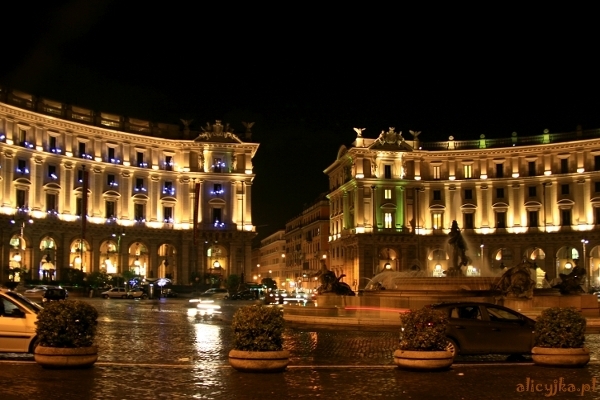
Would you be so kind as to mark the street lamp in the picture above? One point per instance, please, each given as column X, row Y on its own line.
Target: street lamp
column 585, row 264
column 481, row 253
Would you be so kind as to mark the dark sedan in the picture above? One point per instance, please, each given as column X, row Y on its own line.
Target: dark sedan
column 244, row 295
column 485, row 328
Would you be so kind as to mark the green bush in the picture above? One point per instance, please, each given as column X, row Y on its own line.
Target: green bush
column 558, row 327
column 70, row 323
column 258, row 328
column 424, row 330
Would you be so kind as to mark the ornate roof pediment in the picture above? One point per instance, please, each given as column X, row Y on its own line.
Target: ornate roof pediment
column 217, row 133
column 390, row 140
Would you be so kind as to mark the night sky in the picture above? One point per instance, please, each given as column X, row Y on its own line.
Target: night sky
column 306, row 77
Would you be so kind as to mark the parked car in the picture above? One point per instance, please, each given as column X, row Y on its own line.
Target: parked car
column 115, row 293
column 169, row 293
column 55, row 294
column 216, row 293
column 18, row 315
column 38, row 289
column 137, row 293
column 244, row 295
column 485, row 328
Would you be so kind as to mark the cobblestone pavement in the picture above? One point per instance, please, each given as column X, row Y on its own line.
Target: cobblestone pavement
column 149, row 349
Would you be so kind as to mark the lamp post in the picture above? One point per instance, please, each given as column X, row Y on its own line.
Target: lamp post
column 481, row 246
column 585, row 265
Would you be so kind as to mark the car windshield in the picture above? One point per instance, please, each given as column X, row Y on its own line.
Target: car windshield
column 25, row 301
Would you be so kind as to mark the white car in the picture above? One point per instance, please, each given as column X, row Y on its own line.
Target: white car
column 216, row 294
column 115, row 293
column 18, row 315
column 37, row 290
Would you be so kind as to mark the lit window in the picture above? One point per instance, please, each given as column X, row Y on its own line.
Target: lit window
column 387, row 194
column 388, row 220
column 437, row 220
column 468, row 171
column 437, row 172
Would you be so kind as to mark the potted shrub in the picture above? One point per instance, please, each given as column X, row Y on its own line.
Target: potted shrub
column 258, row 340
column 559, row 338
column 66, row 332
column 423, row 340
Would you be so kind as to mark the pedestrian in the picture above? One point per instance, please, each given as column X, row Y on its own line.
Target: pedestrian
column 156, row 304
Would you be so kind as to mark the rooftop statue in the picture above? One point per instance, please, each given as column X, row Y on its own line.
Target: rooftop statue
column 459, row 250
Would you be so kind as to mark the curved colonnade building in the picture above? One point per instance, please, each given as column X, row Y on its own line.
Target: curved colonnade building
column 393, row 200
column 160, row 200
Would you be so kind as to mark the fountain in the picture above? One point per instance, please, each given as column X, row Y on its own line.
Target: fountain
column 391, row 291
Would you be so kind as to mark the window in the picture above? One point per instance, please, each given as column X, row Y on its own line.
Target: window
column 52, row 144
column 109, row 209
column 532, row 191
column 169, row 163
column 531, row 167
column 140, row 160
column 139, row 213
column 81, row 149
column 52, row 172
column 22, row 136
column 499, row 170
column 51, row 202
column 437, row 220
column 533, row 219
column 21, row 198
column 468, row 194
column 564, row 189
column 80, row 176
column 217, row 189
column 565, row 217
column 217, row 165
column 168, row 188
column 387, row 194
column 468, row 171
column 78, row 206
column 387, row 220
column 500, row 193
column 501, row 220
column 597, row 215
column 139, row 185
column 217, row 220
column 437, row 172
column 437, row 195
column 168, row 213
column 596, row 163
column 388, row 171
column 564, row 166
column 468, row 221
column 596, row 187
column 112, row 156
column 22, row 166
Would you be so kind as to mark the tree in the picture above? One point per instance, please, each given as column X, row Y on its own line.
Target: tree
column 233, row 283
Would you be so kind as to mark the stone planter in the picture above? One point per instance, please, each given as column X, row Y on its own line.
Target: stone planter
column 423, row 360
column 60, row 357
column 553, row 357
column 259, row 361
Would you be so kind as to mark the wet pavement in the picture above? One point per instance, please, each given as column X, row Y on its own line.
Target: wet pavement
column 158, row 350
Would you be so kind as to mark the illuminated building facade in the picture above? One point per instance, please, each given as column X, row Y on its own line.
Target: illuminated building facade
column 271, row 261
column 161, row 200
column 393, row 201
column 306, row 243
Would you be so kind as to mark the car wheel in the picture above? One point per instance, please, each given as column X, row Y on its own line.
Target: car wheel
column 105, row 296
column 144, row 297
column 124, row 296
column 34, row 343
column 452, row 347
